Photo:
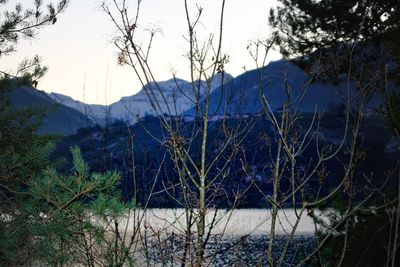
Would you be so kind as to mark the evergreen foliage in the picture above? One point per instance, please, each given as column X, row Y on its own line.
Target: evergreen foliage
column 66, row 219
column 68, row 214
column 23, row 154
column 303, row 26
column 21, row 22
column 46, row 218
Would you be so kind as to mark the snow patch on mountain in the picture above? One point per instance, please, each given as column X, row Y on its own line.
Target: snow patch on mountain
column 95, row 112
column 170, row 97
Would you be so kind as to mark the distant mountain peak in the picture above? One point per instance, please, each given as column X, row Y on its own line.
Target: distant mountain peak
column 172, row 96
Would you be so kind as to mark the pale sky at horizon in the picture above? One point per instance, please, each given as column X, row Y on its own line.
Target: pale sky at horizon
column 82, row 59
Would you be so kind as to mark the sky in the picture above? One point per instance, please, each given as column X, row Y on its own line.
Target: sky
column 82, row 59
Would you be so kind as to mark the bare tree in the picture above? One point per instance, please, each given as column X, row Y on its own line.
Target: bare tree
column 201, row 171
column 294, row 135
column 202, row 166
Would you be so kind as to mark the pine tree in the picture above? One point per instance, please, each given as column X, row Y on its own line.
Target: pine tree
column 303, row 26
column 356, row 36
column 23, row 154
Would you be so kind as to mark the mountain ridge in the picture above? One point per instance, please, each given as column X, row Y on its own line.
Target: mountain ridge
column 279, row 82
column 60, row 119
column 177, row 93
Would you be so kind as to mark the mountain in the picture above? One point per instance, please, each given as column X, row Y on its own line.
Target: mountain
column 95, row 112
column 60, row 119
column 278, row 81
column 172, row 97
